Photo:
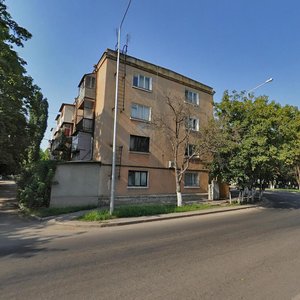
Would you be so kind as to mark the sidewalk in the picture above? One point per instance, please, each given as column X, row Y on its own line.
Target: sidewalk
column 8, row 204
column 70, row 219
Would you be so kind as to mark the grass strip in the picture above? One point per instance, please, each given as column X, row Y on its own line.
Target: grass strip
column 142, row 210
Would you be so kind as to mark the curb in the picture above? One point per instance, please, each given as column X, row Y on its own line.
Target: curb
column 146, row 219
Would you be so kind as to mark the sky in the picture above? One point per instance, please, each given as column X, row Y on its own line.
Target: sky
column 225, row 44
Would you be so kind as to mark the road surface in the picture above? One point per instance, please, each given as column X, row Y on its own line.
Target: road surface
column 252, row 254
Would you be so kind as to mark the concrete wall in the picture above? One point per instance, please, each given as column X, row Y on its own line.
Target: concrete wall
column 76, row 184
column 88, row 183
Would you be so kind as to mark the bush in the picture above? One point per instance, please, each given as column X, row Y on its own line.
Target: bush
column 34, row 184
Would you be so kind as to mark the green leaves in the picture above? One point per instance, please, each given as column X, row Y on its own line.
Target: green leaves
column 23, row 110
column 264, row 139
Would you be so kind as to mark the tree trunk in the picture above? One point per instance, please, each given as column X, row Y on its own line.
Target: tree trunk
column 297, row 173
column 178, row 189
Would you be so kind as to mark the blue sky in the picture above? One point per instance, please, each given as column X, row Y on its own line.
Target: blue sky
column 226, row 44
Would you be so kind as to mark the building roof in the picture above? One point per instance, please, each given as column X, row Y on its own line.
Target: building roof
column 157, row 70
column 65, row 104
column 83, row 78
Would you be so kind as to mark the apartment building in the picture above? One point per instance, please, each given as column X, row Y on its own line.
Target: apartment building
column 144, row 154
column 61, row 142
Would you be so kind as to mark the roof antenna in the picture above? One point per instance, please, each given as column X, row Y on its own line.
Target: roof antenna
column 125, row 47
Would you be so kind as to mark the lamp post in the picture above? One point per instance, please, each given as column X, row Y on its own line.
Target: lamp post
column 113, row 166
column 267, row 81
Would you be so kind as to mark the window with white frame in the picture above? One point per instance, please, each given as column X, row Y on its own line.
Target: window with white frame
column 192, row 97
column 142, row 82
column 138, row 178
column 140, row 112
column 193, row 123
column 190, row 150
column 191, row 179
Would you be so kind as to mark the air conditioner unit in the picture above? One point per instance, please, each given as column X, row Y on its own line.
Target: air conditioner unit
column 171, row 164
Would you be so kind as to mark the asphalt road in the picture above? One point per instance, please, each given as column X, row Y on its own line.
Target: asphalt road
column 252, row 254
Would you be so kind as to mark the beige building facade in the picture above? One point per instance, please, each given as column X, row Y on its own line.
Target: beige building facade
column 144, row 155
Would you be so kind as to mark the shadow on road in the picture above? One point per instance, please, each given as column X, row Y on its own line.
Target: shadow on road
column 282, row 200
column 19, row 237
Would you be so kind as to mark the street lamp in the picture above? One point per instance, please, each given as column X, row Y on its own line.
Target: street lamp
column 267, row 81
column 113, row 166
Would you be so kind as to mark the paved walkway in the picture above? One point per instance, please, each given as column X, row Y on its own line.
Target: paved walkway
column 8, row 202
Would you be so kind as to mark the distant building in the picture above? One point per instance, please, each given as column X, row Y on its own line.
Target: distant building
column 60, row 144
column 144, row 156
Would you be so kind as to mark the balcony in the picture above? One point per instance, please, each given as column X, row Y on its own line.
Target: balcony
column 61, row 142
column 85, row 125
column 85, row 92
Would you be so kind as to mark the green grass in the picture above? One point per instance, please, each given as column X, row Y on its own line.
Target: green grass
column 52, row 211
column 142, row 210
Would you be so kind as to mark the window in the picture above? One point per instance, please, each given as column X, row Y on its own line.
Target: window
column 90, row 82
column 137, row 178
column 191, row 180
column 142, row 82
column 88, row 104
column 193, row 124
column 139, row 111
column 190, row 150
column 192, row 97
column 139, row 143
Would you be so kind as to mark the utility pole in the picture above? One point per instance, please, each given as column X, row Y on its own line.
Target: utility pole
column 113, row 166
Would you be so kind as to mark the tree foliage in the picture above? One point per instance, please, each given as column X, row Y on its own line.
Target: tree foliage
column 34, row 183
column 23, row 110
column 263, row 140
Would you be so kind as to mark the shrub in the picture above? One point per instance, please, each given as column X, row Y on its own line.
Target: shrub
column 34, row 184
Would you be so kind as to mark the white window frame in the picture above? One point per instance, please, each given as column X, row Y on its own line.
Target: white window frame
column 190, row 150
column 195, row 182
column 191, row 97
column 193, row 123
column 139, row 81
column 140, row 112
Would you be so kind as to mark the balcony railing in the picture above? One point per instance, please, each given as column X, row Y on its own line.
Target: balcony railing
column 60, row 142
column 85, row 125
column 85, row 92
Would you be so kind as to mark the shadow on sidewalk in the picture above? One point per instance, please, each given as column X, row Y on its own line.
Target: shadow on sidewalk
column 20, row 237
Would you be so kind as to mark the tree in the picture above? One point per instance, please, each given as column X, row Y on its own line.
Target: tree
column 178, row 127
column 38, row 115
column 264, row 139
column 289, row 132
column 18, row 98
